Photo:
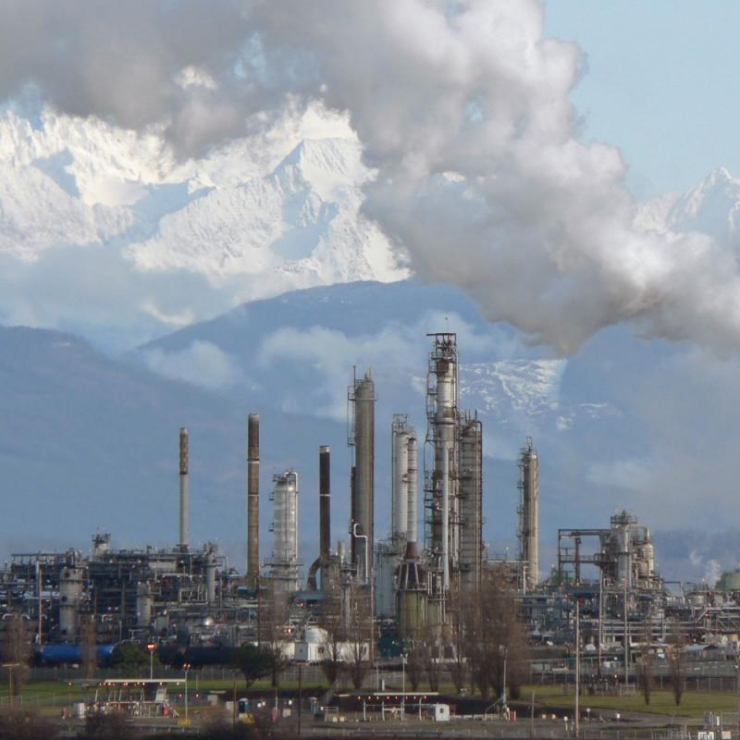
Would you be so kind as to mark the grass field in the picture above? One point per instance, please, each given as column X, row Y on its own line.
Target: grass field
column 51, row 696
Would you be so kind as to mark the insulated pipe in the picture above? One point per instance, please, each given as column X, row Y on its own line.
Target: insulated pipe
column 400, row 472
column 446, row 518
column 324, row 507
column 253, row 499
column 412, row 518
column 184, row 502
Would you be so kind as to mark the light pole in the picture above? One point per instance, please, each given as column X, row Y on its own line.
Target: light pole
column 10, row 667
column 577, row 724
column 737, row 694
column 186, row 668
column 505, row 652
column 151, row 647
column 404, row 658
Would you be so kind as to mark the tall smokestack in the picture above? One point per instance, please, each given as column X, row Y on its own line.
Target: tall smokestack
column 184, row 502
column 324, row 507
column 253, row 500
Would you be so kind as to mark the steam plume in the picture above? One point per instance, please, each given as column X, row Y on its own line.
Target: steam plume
column 463, row 110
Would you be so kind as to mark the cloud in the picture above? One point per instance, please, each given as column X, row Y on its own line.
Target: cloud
column 462, row 110
column 202, row 363
column 95, row 291
column 331, row 358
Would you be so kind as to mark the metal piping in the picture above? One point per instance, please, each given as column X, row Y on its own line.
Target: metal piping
column 253, row 499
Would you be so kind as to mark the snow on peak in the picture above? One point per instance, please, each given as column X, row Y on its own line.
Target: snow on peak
column 713, row 208
column 274, row 211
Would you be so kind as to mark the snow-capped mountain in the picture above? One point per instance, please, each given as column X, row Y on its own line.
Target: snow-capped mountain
column 265, row 214
column 261, row 251
column 711, row 208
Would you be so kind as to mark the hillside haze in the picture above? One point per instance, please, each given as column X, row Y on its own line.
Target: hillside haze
column 252, row 280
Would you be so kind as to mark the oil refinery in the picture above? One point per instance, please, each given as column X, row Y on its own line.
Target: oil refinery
column 406, row 588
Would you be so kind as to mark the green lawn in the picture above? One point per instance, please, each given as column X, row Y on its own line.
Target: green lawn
column 693, row 705
column 51, row 696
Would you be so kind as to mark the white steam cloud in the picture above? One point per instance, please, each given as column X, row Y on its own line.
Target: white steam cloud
column 462, row 109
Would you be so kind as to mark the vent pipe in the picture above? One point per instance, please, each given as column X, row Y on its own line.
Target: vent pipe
column 184, row 502
column 253, row 500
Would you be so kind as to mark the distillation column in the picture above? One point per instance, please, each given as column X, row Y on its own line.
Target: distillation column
column 253, row 500
column 529, row 534
column 400, row 477
column 284, row 563
column 362, row 440
column 441, row 496
column 471, row 503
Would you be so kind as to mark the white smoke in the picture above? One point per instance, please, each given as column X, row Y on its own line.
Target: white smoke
column 462, row 109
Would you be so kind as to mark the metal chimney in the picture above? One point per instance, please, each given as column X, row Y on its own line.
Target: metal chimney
column 253, row 500
column 184, row 503
column 325, row 507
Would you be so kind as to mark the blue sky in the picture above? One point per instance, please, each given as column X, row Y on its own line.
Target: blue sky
column 661, row 84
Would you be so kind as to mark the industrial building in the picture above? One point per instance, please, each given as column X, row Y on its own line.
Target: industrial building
column 408, row 582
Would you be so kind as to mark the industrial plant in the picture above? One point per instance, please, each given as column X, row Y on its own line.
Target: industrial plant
column 386, row 593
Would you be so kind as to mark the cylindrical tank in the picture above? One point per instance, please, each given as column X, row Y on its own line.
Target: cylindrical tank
column 285, row 522
column 253, row 499
column 184, row 493
column 71, row 586
column 284, row 561
column 144, row 601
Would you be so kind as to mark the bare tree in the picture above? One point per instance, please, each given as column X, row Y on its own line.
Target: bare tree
column 335, row 633
column 646, row 667
column 677, row 663
column 414, row 665
column 274, row 619
column 646, row 672
column 17, row 650
column 496, row 642
column 88, row 645
column 26, row 724
column 359, row 634
column 457, row 642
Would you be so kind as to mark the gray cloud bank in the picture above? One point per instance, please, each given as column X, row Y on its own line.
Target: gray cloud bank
column 463, row 111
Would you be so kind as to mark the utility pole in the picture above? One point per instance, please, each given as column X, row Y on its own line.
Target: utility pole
column 577, row 724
